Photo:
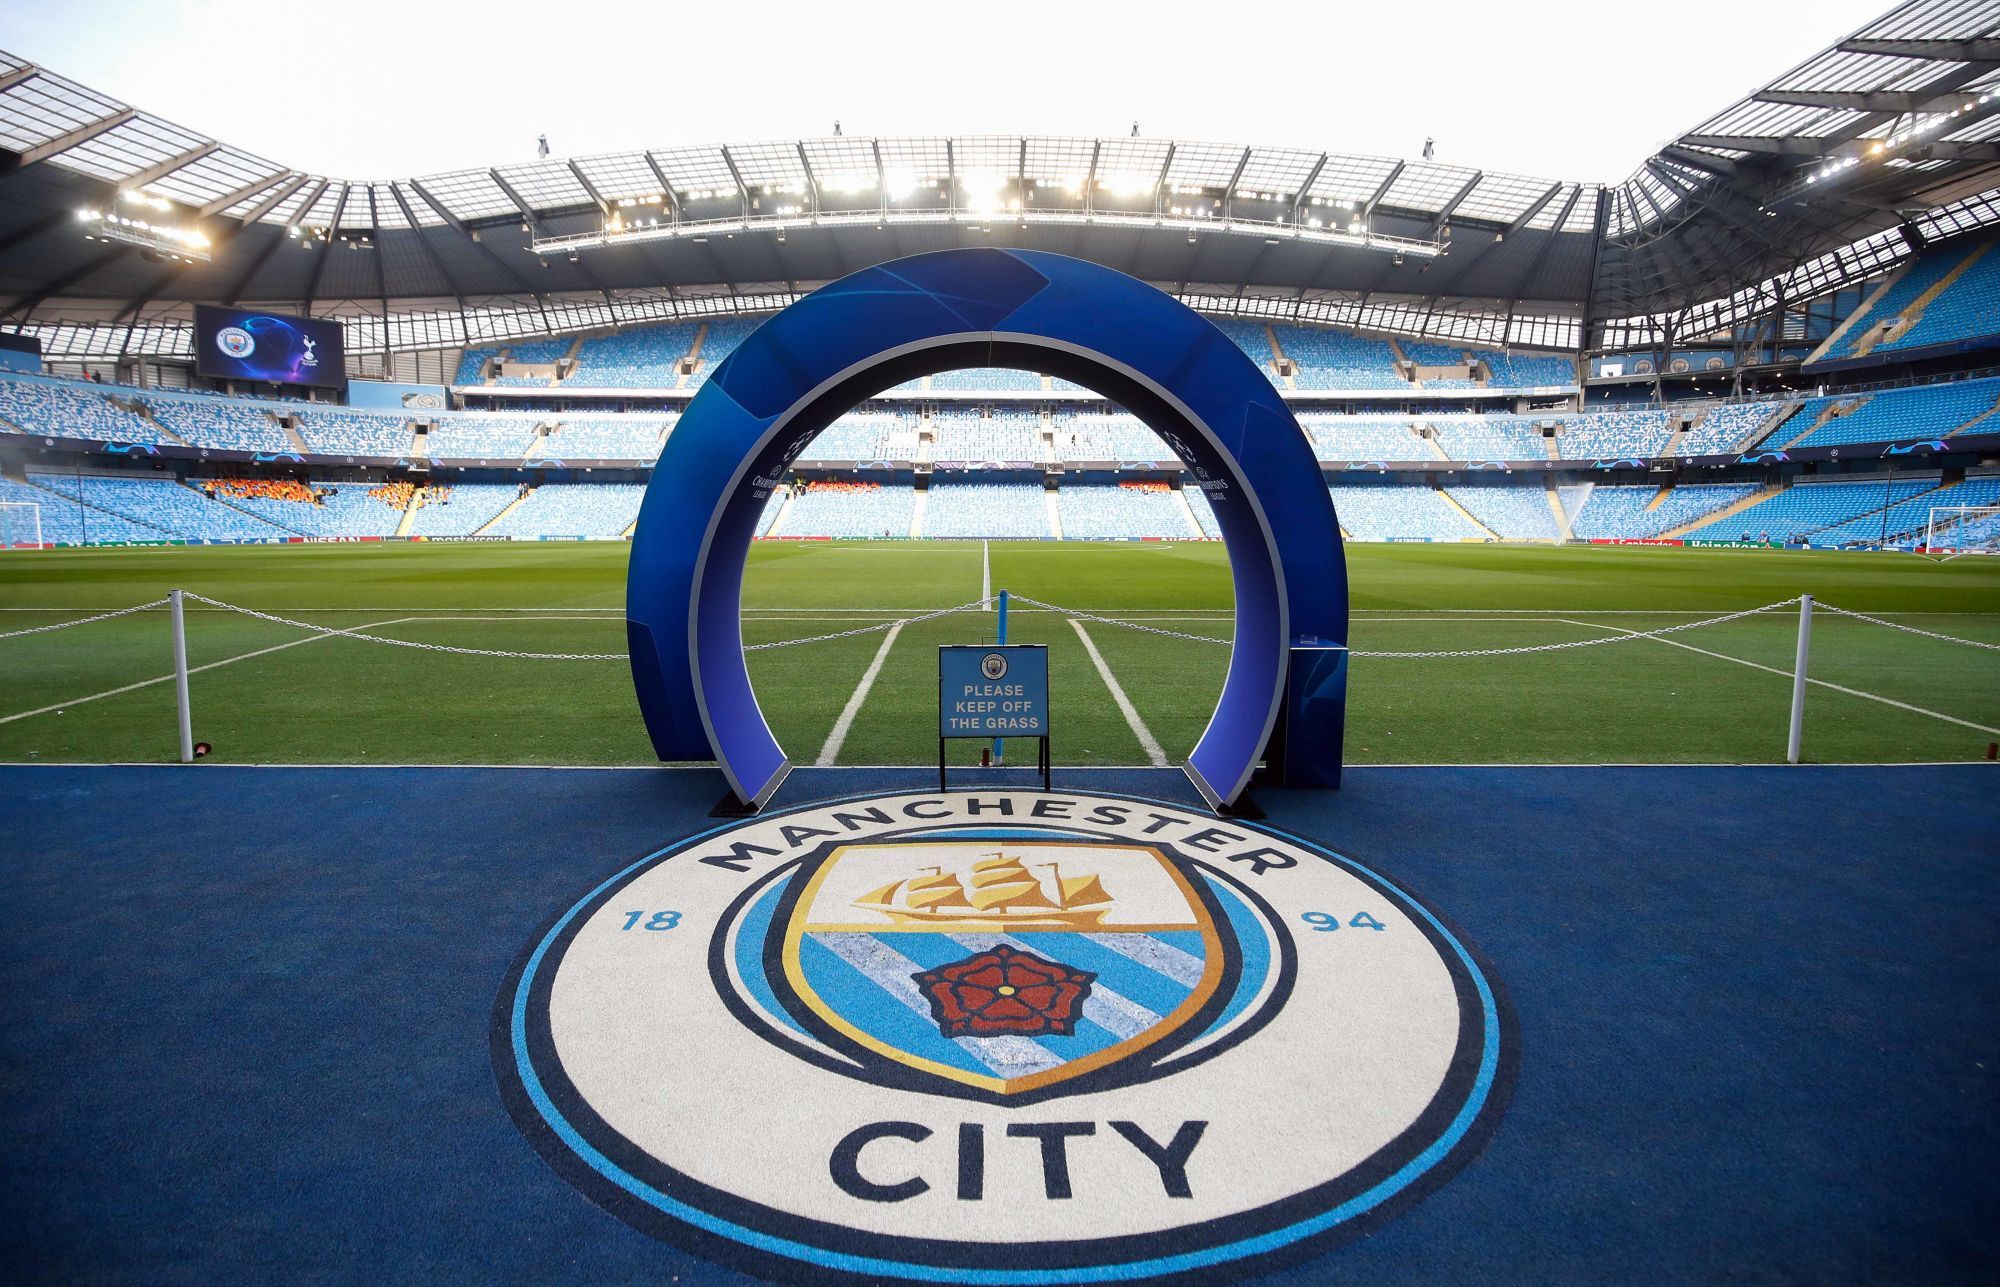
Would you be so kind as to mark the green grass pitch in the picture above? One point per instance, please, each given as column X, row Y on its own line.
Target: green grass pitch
column 273, row 694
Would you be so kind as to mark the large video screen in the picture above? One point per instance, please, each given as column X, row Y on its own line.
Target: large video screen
column 239, row 344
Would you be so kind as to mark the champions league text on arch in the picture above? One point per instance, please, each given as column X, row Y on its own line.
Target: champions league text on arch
column 1283, row 699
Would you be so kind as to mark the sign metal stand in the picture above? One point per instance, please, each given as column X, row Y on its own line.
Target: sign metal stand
column 994, row 691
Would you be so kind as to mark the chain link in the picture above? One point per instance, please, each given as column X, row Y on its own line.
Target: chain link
column 974, row 606
column 978, row 605
column 1081, row 615
column 1460, row 652
column 408, row 643
column 1897, row 625
column 548, row 656
column 1625, row 637
column 84, row 621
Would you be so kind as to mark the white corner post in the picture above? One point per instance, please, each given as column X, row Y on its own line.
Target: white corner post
column 1799, row 680
column 181, row 675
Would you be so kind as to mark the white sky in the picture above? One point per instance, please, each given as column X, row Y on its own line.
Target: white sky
column 374, row 89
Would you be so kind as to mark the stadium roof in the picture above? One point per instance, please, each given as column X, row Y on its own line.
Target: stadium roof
column 1794, row 190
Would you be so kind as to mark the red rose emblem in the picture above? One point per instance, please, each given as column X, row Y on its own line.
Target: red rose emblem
column 1002, row 991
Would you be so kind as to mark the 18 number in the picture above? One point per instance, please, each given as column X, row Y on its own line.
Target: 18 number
column 659, row 921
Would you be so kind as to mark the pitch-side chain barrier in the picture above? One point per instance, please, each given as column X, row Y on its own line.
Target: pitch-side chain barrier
column 1456, row 652
column 977, row 605
column 1804, row 603
column 1897, row 625
column 84, row 621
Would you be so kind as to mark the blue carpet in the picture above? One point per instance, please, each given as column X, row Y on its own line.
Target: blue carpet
column 245, row 1023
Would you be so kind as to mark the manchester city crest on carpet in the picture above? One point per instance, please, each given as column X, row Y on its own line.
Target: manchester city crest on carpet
column 1001, row 1037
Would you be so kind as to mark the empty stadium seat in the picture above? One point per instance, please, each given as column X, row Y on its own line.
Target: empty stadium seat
column 1001, row 510
column 1111, row 436
column 65, row 409
column 1364, row 437
column 1119, row 511
column 1926, row 411
column 1890, row 300
column 592, row 511
column 1969, row 308
column 1607, row 434
column 1399, row 512
column 1813, row 506
column 1620, row 513
column 644, row 357
column 857, row 510
column 161, row 506
column 1004, row 435
column 1488, row 437
column 724, row 334
column 987, row 379
column 480, row 435
column 1511, row 511
column 341, row 432
column 1329, row 359
column 606, row 437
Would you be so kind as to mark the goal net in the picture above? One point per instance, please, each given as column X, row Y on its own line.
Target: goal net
column 20, row 523
column 1963, row 529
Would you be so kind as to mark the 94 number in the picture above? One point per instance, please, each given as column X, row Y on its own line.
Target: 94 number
column 1327, row 922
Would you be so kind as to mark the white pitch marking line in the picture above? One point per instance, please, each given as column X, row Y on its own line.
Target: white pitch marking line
column 829, row 752
column 1147, row 742
column 193, row 670
column 1773, row 670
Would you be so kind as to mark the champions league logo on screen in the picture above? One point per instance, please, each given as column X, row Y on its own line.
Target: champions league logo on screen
column 1003, row 1037
column 238, row 345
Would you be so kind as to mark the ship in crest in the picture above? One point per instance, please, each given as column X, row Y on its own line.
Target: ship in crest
column 1004, row 893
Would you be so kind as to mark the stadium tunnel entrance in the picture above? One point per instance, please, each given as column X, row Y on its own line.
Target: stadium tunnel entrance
column 1145, row 351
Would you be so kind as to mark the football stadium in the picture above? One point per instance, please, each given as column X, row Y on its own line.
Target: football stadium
column 1008, row 708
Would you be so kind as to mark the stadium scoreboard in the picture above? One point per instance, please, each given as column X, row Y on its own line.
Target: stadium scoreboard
column 275, row 348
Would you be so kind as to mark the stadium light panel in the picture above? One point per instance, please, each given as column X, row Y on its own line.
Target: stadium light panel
column 165, row 239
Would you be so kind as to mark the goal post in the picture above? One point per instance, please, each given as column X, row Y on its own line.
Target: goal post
column 20, row 524
column 1963, row 529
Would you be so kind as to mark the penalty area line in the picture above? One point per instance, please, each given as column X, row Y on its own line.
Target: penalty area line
column 1147, row 742
column 830, row 751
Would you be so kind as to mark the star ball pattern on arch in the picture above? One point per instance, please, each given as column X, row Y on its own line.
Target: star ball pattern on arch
column 1080, row 321
column 1002, row 1037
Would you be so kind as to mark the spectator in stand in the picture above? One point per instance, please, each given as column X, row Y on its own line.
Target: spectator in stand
column 396, row 495
column 284, row 489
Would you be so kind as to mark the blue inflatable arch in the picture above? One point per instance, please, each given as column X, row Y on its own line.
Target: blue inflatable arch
column 1067, row 317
